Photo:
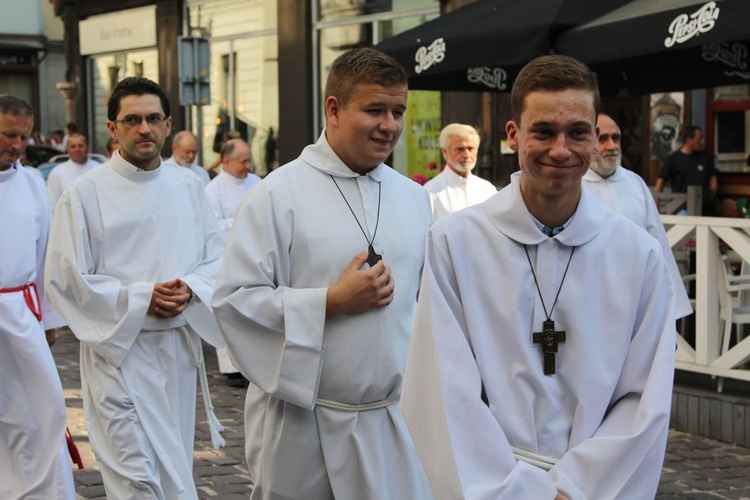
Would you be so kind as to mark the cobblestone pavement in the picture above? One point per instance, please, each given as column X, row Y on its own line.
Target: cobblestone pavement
column 218, row 473
column 694, row 467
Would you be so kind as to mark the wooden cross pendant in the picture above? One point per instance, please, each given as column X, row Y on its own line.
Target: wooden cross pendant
column 372, row 257
column 549, row 339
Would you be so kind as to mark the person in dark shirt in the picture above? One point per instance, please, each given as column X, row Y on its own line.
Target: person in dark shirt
column 689, row 166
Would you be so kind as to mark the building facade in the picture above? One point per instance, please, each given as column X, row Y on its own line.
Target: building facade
column 269, row 60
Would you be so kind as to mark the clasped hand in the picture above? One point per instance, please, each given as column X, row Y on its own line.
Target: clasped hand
column 358, row 290
column 169, row 299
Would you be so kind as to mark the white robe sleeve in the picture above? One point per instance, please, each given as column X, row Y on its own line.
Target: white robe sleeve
column 54, row 188
column 274, row 332
column 462, row 447
column 202, row 279
column 655, row 228
column 623, row 459
column 50, row 318
column 214, row 195
column 114, row 313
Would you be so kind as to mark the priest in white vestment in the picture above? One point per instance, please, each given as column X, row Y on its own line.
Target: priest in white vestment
column 456, row 187
column 543, row 353
column 321, row 334
column 184, row 151
column 66, row 172
column 134, row 252
column 225, row 192
column 625, row 191
column 34, row 460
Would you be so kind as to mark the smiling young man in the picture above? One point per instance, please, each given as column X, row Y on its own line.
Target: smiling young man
column 134, row 251
column 456, row 187
column 316, row 300
column 543, row 355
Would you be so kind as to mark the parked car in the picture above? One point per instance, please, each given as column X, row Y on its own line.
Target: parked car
column 46, row 168
column 38, row 154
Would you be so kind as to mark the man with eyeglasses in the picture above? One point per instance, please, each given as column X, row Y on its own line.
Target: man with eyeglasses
column 624, row 191
column 135, row 250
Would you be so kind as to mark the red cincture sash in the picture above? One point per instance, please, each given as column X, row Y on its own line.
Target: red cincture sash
column 32, row 300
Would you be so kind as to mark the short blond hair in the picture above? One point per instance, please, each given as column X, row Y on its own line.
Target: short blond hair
column 460, row 130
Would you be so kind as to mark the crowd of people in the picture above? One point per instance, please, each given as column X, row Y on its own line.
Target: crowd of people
column 396, row 341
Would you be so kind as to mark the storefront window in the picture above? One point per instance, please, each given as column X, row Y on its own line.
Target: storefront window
column 330, row 10
column 244, row 78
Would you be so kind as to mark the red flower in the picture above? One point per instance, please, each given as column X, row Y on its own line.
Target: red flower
column 432, row 165
column 420, row 178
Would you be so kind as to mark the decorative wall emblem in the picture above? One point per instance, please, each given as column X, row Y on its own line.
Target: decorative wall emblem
column 733, row 55
column 685, row 27
column 429, row 56
column 494, row 78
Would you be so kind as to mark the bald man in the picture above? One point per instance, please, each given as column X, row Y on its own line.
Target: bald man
column 225, row 193
column 184, row 150
column 624, row 191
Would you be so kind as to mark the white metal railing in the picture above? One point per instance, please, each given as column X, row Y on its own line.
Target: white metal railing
column 706, row 355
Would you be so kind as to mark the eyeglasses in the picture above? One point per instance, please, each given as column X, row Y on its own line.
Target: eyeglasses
column 132, row 121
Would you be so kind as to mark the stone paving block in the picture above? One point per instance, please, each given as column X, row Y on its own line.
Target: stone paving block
column 91, row 491
column 214, row 470
column 226, row 489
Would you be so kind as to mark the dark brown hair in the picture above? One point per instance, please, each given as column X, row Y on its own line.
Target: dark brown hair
column 552, row 73
column 363, row 65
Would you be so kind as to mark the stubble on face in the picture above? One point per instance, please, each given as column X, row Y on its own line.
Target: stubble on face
column 555, row 140
column 141, row 145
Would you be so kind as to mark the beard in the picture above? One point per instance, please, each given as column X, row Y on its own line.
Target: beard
column 462, row 166
column 183, row 163
column 605, row 165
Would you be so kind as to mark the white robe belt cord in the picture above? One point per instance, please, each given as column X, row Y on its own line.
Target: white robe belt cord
column 335, row 405
column 214, row 426
column 540, row 461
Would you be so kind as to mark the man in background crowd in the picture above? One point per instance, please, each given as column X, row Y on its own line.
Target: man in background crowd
column 184, row 151
column 225, row 192
column 34, row 459
column 625, row 192
column 66, row 172
column 456, row 187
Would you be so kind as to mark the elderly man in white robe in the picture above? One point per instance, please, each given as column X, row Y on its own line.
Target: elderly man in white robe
column 134, row 252
column 542, row 359
column 34, row 459
column 624, row 191
column 225, row 192
column 456, row 187
column 66, row 172
column 184, row 151
column 316, row 300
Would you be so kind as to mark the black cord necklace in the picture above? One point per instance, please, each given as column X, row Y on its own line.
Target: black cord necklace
column 372, row 257
column 548, row 337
